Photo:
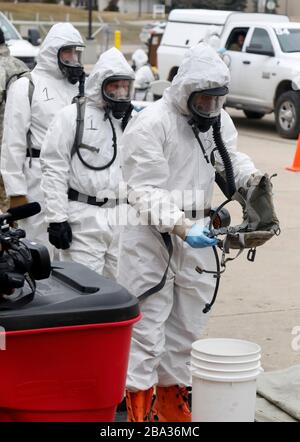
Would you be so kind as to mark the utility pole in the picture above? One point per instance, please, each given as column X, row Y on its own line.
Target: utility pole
column 261, row 6
column 90, row 8
column 140, row 8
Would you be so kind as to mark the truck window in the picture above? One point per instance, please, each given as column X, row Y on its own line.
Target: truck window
column 289, row 39
column 236, row 39
column 261, row 39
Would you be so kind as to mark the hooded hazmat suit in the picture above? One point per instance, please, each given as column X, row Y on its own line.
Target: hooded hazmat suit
column 144, row 75
column 23, row 120
column 9, row 67
column 212, row 37
column 162, row 155
column 95, row 236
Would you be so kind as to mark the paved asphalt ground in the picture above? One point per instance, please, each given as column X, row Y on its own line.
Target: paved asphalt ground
column 261, row 301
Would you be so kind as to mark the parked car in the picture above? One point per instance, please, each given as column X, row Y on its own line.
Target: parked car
column 185, row 28
column 264, row 73
column 25, row 50
column 265, row 70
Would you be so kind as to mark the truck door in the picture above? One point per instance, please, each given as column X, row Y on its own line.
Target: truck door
column 234, row 46
column 258, row 73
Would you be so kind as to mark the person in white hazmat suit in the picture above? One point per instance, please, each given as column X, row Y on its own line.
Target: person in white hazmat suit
column 144, row 75
column 82, row 215
column 212, row 38
column 163, row 155
column 31, row 105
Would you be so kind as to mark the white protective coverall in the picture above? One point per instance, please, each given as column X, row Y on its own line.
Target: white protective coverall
column 95, row 235
column 144, row 75
column 51, row 93
column 212, row 37
column 163, row 155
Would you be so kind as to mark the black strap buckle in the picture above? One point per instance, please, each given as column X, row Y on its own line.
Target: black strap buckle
column 33, row 153
column 251, row 255
column 74, row 195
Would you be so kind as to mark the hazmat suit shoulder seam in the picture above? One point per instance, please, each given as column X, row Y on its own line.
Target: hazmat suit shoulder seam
column 20, row 84
column 155, row 126
column 152, row 116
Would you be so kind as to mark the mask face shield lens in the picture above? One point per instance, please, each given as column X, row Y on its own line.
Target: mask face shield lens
column 70, row 56
column 206, row 104
column 117, row 89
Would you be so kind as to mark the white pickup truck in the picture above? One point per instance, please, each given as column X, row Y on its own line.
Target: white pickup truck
column 18, row 47
column 265, row 69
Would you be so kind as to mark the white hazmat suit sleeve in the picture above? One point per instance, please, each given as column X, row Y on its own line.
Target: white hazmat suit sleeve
column 147, row 172
column 143, row 77
column 243, row 167
column 17, row 120
column 55, row 162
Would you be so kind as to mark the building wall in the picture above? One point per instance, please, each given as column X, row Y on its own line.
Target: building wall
column 286, row 7
column 289, row 7
column 130, row 5
column 250, row 6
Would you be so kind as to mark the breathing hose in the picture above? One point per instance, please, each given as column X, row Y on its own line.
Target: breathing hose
column 229, row 189
column 230, row 182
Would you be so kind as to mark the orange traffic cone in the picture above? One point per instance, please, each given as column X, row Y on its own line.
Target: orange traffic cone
column 296, row 164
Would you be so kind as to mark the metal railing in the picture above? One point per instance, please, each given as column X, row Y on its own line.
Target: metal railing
column 36, row 22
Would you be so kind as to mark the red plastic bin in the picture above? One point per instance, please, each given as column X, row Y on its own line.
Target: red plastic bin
column 65, row 373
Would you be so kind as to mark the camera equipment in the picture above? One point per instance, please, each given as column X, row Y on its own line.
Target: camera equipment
column 20, row 260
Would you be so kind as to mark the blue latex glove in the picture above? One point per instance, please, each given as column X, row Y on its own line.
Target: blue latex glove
column 198, row 238
column 221, row 51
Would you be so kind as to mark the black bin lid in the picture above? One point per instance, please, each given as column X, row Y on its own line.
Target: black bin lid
column 73, row 295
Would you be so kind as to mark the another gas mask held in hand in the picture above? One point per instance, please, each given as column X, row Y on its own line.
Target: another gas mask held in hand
column 69, row 62
column 205, row 106
column 117, row 93
column 260, row 222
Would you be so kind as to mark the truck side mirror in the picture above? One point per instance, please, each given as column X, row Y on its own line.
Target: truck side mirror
column 259, row 50
column 34, row 37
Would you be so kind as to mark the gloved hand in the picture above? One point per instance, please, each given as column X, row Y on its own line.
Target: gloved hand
column 60, row 235
column 18, row 200
column 198, row 238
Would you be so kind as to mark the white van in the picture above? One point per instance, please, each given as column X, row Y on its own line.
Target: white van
column 24, row 50
column 187, row 27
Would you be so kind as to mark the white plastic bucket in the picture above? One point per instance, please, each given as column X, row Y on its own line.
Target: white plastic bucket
column 226, row 359
column 225, row 366
column 223, row 370
column 224, row 373
column 226, row 350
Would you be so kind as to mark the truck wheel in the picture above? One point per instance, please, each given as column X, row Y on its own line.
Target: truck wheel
column 253, row 115
column 287, row 115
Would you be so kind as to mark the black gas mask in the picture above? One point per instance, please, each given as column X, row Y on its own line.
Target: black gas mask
column 117, row 93
column 205, row 106
column 69, row 62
